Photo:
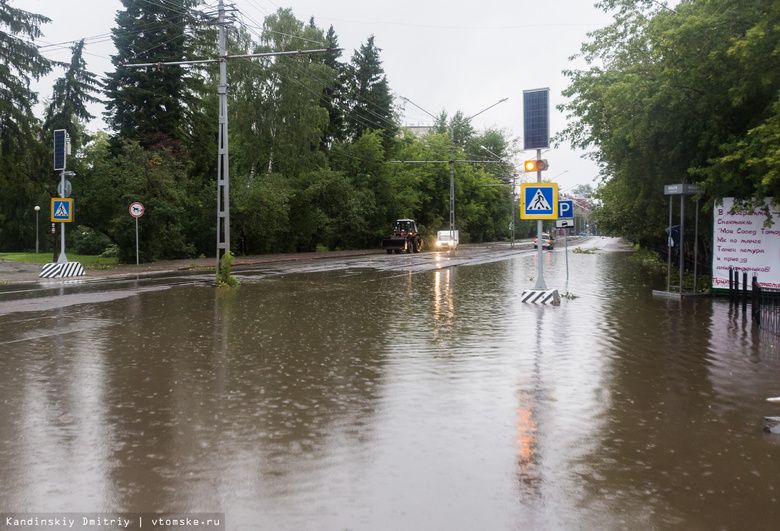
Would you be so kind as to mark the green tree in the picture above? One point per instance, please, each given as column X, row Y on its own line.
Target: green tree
column 114, row 179
column 369, row 100
column 70, row 96
column 279, row 123
column 152, row 104
column 333, row 92
column 22, row 174
column 670, row 96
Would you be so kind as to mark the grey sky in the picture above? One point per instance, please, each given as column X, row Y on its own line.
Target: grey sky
column 439, row 56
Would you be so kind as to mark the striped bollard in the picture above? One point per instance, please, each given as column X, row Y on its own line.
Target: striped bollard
column 66, row 269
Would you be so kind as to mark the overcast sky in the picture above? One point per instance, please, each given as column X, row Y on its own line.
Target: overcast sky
column 439, row 56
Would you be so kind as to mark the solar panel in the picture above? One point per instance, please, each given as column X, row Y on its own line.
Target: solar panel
column 536, row 119
column 59, row 149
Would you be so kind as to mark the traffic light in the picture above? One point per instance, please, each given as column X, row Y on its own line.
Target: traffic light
column 535, row 165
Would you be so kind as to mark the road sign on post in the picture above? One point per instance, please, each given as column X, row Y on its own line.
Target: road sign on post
column 540, row 200
column 566, row 210
column 136, row 210
column 61, row 210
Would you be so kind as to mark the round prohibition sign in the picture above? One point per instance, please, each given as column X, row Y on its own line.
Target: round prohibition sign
column 136, row 210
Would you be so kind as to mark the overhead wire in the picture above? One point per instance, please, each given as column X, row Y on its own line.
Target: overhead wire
column 368, row 116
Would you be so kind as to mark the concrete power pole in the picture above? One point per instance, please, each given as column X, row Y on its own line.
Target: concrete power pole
column 223, row 173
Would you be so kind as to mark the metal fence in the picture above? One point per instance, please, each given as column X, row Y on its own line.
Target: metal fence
column 765, row 307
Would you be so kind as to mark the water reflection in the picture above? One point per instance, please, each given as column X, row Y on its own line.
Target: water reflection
column 443, row 303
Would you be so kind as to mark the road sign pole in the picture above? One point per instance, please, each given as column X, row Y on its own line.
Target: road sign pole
column 136, row 210
column 62, row 258
column 540, row 253
column 566, row 250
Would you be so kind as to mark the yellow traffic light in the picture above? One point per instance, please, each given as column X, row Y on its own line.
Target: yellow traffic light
column 535, row 165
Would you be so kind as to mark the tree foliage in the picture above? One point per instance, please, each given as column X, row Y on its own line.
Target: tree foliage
column 21, row 156
column 152, row 104
column 70, row 96
column 314, row 145
column 369, row 100
column 688, row 94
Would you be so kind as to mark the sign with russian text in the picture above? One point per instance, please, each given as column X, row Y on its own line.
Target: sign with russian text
column 741, row 242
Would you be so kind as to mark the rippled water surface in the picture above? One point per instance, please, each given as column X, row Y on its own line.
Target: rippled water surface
column 375, row 399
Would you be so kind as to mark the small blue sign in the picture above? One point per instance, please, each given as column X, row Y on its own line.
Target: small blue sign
column 565, row 209
column 540, row 201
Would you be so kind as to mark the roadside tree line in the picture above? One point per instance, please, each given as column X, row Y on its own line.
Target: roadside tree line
column 683, row 95
column 313, row 143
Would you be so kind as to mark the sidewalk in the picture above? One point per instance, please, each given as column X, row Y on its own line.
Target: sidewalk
column 20, row 272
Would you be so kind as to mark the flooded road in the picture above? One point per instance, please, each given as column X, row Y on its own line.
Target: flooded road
column 392, row 392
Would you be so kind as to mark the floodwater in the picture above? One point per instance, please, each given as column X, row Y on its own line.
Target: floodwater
column 387, row 395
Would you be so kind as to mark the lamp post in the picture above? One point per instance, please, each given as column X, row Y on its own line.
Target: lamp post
column 37, row 209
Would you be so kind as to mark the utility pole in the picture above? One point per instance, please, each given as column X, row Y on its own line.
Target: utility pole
column 223, row 174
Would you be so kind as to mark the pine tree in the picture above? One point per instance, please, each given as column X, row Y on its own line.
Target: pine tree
column 21, row 62
column 150, row 104
column 70, row 97
column 333, row 93
column 370, row 102
column 21, row 155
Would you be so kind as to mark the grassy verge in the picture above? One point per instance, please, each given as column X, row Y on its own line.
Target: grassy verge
column 653, row 260
column 89, row 262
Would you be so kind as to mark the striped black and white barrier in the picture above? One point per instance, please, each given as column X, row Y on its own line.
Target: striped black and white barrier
column 541, row 296
column 67, row 269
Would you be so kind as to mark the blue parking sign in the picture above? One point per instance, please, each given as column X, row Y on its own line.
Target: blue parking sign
column 565, row 209
column 540, row 200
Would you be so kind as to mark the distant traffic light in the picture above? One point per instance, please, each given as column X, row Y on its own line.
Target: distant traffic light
column 535, row 165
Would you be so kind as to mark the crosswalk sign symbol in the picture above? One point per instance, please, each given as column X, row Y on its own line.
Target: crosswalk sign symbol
column 61, row 210
column 540, row 201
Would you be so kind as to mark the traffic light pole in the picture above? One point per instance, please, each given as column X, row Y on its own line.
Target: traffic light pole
column 62, row 258
column 540, row 284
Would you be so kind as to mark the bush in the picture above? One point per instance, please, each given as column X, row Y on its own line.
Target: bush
column 112, row 251
column 84, row 240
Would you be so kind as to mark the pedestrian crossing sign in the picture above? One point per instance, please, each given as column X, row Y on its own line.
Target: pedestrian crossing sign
column 61, row 210
column 540, row 200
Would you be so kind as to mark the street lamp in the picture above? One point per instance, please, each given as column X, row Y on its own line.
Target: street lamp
column 37, row 209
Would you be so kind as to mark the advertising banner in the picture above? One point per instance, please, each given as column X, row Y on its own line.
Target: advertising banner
column 743, row 243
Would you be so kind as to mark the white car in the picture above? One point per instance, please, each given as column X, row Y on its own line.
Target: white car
column 446, row 239
column 547, row 241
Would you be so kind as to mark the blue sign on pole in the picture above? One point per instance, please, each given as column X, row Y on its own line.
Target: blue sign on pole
column 60, row 146
column 540, row 200
column 61, row 210
column 565, row 209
